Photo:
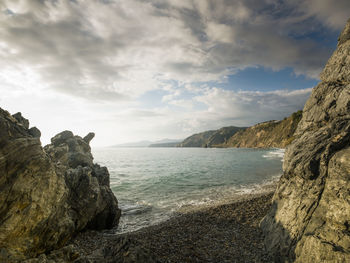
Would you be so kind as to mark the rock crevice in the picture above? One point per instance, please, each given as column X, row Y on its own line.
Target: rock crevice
column 311, row 206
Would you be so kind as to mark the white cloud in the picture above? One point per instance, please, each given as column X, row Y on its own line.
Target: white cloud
column 112, row 50
column 332, row 13
column 84, row 65
column 244, row 108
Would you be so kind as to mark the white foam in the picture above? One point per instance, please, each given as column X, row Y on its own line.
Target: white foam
column 276, row 153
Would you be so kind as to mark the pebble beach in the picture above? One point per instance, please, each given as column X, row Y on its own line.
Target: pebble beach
column 221, row 233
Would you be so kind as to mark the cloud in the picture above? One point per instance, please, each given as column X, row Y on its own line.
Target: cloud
column 331, row 14
column 244, row 108
column 118, row 50
column 86, row 65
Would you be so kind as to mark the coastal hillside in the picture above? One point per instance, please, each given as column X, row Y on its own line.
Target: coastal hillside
column 49, row 194
column 267, row 134
column 309, row 219
column 263, row 135
column 221, row 136
column 197, row 140
column 213, row 138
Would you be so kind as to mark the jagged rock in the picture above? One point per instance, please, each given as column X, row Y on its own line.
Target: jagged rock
column 18, row 116
column 310, row 218
column 70, row 150
column 89, row 137
column 47, row 196
column 35, row 132
column 61, row 138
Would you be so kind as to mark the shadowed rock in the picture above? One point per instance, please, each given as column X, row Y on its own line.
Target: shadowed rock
column 89, row 137
column 35, row 132
column 310, row 218
column 18, row 116
column 47, row 196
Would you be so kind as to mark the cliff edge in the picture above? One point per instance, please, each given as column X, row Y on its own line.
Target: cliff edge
column 310, row 218
column 48, row 195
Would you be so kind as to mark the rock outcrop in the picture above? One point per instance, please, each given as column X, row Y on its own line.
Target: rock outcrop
column 310, row 218
column 47, row 196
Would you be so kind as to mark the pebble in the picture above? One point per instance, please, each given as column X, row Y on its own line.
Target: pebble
column 223, row 233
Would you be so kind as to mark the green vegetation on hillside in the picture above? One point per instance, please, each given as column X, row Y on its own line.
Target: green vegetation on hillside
column 214, row 138
column 262, row 135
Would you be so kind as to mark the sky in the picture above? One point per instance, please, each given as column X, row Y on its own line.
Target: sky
column 132, row 70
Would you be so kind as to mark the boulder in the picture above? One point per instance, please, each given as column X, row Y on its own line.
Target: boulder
column 48, row 196
column 310, row 217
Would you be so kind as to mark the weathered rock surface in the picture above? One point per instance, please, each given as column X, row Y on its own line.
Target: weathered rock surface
column 47, row 196
column 310, row 218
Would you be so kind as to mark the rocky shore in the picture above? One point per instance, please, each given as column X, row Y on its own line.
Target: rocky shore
column 220, row 233
column 55, row 202
column 48, row 195
column 57, row 206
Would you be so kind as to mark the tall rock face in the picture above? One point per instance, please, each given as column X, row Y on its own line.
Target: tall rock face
column 310, row 218
column 47, row 196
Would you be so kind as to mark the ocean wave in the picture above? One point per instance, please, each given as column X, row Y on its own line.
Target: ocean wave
column 224, row 195
column 135, row 209
column 275, row 154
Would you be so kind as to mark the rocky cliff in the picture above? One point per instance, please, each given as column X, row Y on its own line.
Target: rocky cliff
column 310, row 218
column 214, row 138
column 263, row 135
column 276, row 134
column 48, row 195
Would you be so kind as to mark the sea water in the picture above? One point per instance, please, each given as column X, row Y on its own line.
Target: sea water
column 152, row 184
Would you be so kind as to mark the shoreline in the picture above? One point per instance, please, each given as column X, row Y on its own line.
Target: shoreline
column 226, row 232
column 227, row 195
column 239, row 196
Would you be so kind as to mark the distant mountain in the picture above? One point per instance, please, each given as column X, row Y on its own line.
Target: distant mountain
column 221, row 136
column 160, row 143
column 197, row 140
column 263, row 135
column 213, row 138
column 165, row 144
column 168, row 141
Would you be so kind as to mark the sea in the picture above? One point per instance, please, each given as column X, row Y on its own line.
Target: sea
column 154, row 184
